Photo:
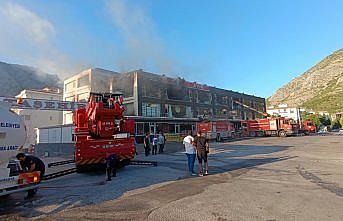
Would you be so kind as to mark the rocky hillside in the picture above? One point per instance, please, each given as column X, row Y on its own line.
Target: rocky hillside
column 320, row 88
column 14, row 78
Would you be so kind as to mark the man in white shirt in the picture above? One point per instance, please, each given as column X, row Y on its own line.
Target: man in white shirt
column 190, row 152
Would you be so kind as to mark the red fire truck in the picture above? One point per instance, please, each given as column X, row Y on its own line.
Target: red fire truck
column 309, row 126
column 102, row 130
column 216, row 129
column 281, row 127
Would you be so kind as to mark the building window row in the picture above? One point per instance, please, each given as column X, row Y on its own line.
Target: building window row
column 151, row 110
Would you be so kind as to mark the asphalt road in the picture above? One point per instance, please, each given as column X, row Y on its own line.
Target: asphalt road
column 294, row 178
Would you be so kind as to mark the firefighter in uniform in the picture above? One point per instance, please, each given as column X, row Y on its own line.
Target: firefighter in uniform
column 111, row 166
column 29, row 164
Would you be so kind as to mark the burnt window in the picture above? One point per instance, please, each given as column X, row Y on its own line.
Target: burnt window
column 123, row 83
column 151, row 89
column 177, row 93
column 204, row 97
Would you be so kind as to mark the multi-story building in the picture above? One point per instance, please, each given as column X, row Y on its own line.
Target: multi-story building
column 161, row 103
column 39, row 118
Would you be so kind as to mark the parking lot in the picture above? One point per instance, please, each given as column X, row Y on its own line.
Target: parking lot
column 294, row 178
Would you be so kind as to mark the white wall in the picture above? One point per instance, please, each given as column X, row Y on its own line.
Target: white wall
column 98, row 81
column 38, row 118
column 57, row 134
column 293, row 113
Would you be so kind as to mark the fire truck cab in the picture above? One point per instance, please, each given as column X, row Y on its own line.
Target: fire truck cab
column 309, row 126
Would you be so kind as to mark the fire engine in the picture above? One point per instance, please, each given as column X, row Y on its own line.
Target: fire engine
column 102, row 130
column 280, row 126
column 216, row 129
column 309, row 126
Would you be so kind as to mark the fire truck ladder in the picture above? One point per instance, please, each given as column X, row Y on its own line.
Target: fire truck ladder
column 250, row 108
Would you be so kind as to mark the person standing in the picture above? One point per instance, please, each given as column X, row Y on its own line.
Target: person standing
column 202, row 147
column 154, row 144
column 30, row 164
column 111, row 166
column 161, row 142
column 190, row 152
column 147, row 144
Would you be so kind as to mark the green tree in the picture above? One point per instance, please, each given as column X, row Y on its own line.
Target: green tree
column 336, row 124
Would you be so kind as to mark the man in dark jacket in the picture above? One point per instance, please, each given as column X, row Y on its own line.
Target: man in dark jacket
column 111, row 166
column 202, row 147
column 147, row 144
column 29, row 164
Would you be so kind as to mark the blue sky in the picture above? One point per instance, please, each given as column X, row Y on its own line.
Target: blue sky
column 251, row 46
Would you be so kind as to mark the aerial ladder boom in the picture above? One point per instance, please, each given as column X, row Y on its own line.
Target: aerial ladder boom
column 250, row 108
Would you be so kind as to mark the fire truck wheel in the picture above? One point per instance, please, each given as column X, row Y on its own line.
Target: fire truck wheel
column 282, row 133
column 252, row 134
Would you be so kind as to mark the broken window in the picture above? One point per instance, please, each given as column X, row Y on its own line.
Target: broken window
column 151, row 88
column 177, row 93
column 123, row 83
column 204, row 97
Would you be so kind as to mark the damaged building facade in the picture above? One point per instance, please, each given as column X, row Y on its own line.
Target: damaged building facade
column 161, row 103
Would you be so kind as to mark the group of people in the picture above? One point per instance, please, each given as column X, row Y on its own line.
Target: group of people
column 157, row 141
column 197, row 147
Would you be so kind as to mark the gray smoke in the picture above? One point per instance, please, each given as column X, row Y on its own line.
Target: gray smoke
column 143, row 46
column 28, row 38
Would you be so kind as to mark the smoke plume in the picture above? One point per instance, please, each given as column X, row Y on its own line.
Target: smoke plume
column 143, row 46
column 28, row 38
